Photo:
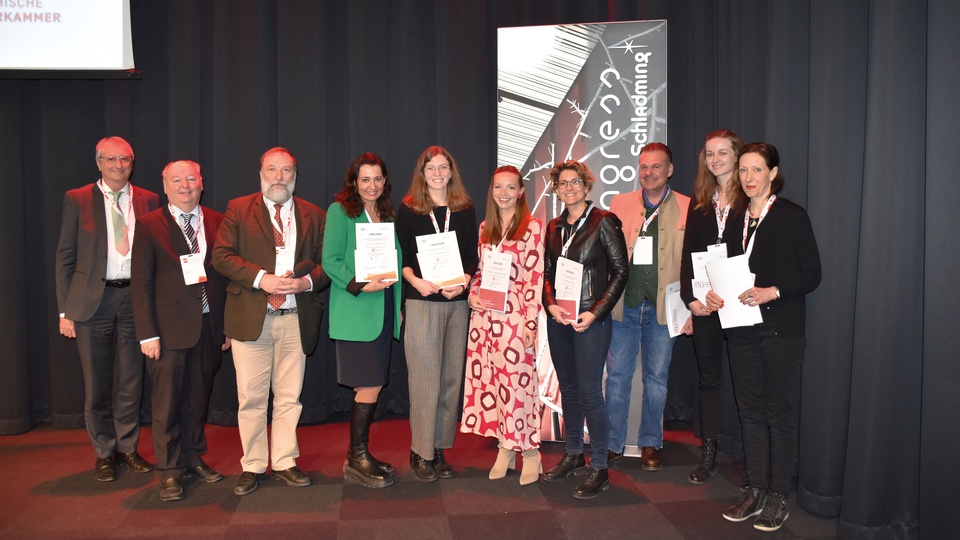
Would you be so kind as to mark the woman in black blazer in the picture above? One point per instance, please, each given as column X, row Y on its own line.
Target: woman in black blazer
column 777, row 238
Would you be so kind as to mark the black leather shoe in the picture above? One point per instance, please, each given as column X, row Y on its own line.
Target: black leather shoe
column 569, row 464
column 170, row 489
column 134, row 462
column 205, row 473
column 293, row 476
column 440, row 465
column 596, row 481
column 751, row 504
column 247, row 483
column 103, row 469
column 422, row 468
column 613, row 457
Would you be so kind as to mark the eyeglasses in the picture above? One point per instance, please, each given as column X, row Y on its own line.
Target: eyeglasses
column 575, row 182
column 431, row 169
column 124, row 160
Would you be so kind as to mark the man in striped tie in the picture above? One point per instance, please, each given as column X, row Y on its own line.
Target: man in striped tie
column 178, row 302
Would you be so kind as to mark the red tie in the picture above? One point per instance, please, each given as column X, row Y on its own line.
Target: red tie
column 277, row 300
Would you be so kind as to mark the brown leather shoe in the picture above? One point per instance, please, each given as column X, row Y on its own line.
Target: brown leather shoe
column 650, row 457
column 103, row 470
column 134, row 462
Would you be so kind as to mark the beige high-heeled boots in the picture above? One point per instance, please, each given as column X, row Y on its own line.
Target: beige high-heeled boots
column 531, row 467
column 506, row 459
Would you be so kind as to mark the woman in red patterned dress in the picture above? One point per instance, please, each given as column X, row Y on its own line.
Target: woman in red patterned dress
column 501, row 397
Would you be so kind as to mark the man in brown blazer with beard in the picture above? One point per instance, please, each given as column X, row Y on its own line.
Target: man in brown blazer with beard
column 269, row 248
column 93, row 295
column 178, row 302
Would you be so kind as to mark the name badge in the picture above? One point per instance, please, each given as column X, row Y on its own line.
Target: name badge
column 643, row 250
column 192, row 266
column 284, row 260
column 718, row 248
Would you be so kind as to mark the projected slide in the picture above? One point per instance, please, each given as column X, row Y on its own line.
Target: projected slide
column 65, row 35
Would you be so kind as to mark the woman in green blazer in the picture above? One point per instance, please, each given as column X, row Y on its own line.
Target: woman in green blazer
column 363, row 347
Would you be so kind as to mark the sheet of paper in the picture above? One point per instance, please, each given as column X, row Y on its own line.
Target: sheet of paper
column 375, row 236
column 567, row 284
column 495, row 280
column 439, row 258
column 375, row 258
column 375, row 265
column 677, row 313
column 729, row 278
column 701, row 258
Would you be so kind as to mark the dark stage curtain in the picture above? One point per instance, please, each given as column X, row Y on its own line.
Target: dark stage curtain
column 859, row 96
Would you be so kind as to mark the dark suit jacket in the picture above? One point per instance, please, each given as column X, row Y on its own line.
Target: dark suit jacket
column 163, row 305
column 82, row 250
column 245, row 246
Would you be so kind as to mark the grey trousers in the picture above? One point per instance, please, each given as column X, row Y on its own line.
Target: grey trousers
column 435, row 344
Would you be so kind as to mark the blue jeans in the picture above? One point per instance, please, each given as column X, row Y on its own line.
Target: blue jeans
column 638, row 330
column 578, row 361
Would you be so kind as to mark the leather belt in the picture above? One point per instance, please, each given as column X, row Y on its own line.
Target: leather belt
column 280, row 312
column 118, row 283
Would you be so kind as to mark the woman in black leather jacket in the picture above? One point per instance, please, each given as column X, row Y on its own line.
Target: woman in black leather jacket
column 579, row 341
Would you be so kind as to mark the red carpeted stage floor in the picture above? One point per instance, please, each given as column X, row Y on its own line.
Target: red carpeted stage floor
column 49, row 492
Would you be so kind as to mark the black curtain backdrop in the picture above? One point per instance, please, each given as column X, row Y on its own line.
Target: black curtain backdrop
column 859, row 96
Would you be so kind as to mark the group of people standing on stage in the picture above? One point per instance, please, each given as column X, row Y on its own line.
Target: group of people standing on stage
column 181, row 283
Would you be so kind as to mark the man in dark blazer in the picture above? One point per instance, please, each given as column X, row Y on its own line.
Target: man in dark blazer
column 178, row 301
column 269, row 248
column 93, row 296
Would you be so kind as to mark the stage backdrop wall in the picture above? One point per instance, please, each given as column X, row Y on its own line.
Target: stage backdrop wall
column 859, row 97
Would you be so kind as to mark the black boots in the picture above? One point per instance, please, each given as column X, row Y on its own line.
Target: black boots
column 360, row 466
column 569, row 464
column 708, row 463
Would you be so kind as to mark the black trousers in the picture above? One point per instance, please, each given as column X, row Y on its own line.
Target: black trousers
column 766, row 371
column 182, row 381
column 112, row 367
column 708, row 345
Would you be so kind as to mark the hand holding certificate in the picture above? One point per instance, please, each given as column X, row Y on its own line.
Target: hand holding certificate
column 375, row 258
column 439, row 258
column 677, row 313
column 729, row 278
column 495, row 280
column 568, row 283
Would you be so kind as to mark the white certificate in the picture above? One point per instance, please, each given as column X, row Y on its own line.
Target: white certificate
column 192, row 266
column 495, row 280
column 373, row 265
column 439, row 258
column 701, row 258
column 677, row 313
column 730, row 277
column 375, row 236
column 375, row 258
column 567, row 284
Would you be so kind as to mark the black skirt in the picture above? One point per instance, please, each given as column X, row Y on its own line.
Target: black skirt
column 367, row 363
